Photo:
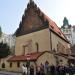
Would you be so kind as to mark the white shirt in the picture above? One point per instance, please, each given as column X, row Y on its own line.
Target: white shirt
column 24, row 69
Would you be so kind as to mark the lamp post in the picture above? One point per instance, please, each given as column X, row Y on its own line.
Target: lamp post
column 28, row 63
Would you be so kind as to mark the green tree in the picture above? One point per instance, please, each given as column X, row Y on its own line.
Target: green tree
column 0, row 32
column 4, row 50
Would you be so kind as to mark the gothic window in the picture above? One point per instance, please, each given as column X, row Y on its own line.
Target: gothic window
column 18, row 64
column 24, row 50
column 10, row 64
column 37, row 47
column 57, row 46
column 3, row 65
column 27, row 47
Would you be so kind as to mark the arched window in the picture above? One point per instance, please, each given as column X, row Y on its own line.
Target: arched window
column 57, row 47
column 3, row 65
column 37, row 47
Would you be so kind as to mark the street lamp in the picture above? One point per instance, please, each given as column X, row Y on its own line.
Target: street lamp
column 28, row 60
column 28, row 63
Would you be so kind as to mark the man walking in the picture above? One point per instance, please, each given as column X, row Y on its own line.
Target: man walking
column 24, row 70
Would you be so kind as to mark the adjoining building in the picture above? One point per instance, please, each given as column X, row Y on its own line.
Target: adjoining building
column 38, row 40
column 68, row 30
column 8, row 38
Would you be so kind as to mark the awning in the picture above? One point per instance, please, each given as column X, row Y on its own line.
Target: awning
column 30, row 57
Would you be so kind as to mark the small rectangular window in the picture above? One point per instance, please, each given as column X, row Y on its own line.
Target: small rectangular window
column 18, row 64
column 37, row 47
column 10, row 65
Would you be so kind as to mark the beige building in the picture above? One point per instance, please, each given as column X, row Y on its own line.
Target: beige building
column 38, row 39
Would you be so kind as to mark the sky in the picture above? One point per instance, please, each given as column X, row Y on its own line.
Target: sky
column 11, row 12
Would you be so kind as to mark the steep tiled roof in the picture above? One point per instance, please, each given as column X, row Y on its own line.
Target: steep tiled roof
column 31, row 57
column 45, row 19
column 54, row 27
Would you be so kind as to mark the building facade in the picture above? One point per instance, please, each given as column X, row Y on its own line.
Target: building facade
column 68, row 30
column 9, row 39
column 38, row 39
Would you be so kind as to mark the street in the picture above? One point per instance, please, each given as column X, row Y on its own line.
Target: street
column 9, row 73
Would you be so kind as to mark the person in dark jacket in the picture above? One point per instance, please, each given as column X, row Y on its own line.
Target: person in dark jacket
column 42, row 71
column 71, row 71
column 57, row 70
column 52, row 69
column 38, row 70
column 62, row 70
column 31, row 70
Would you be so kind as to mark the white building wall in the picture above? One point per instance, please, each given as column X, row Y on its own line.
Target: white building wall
column 9, row 39
column 69, row 33
column 73, row 37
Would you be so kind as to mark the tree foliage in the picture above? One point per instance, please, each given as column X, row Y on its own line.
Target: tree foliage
column 4, row 50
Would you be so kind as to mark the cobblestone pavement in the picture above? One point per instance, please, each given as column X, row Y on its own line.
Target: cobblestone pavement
column 9, row 73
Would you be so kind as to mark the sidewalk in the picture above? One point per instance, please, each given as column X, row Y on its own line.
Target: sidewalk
column 10, row 73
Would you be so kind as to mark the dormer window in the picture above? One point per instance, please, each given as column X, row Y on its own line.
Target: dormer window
column 52, row 27
column 59, row 33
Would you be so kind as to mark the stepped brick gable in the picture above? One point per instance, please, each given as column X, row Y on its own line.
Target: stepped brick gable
column 32, row 20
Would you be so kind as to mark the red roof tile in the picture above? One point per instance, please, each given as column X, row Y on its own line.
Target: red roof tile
column 32, row 56
column 54, row 27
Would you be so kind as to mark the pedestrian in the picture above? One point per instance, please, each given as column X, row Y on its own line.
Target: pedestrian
column 62, row 70
column 42, row 71
column 38, row 70
column 57, row 70
column 24, row 70
column 71, row 72
column 52, row 69
column 47, row 68
column 67, row 70
column 31, row 70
